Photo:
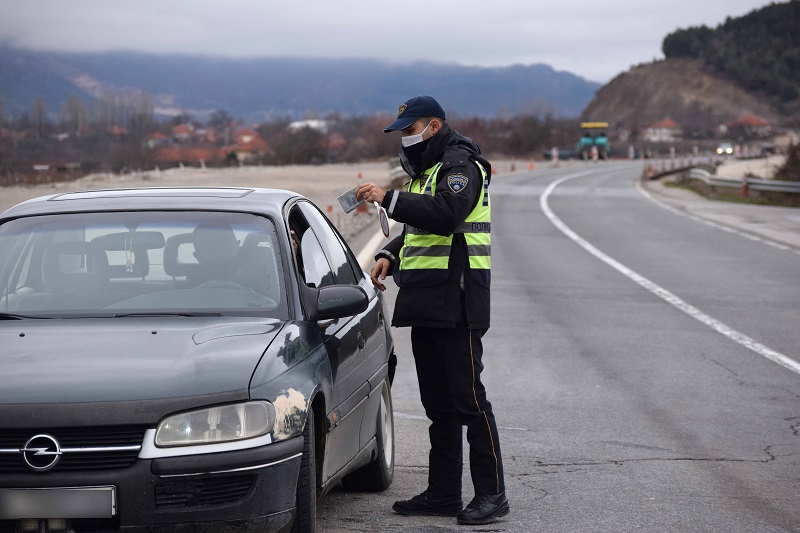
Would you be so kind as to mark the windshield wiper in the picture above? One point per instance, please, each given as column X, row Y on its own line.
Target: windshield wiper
column 10, row 316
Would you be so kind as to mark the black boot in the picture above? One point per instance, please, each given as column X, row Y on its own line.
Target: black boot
column 430, row 504
column 484, row 509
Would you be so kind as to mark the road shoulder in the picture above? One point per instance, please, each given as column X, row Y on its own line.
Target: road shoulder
column 780, row 225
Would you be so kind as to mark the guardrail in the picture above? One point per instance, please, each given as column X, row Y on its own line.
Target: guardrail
column 753, row 184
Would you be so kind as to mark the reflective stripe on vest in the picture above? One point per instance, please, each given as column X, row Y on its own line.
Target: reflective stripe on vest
column 424, row 252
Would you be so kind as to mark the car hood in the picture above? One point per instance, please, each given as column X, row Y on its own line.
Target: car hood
column 129, row 359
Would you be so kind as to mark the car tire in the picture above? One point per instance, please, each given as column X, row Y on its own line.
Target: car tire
column 305, row 520
column 379, row 473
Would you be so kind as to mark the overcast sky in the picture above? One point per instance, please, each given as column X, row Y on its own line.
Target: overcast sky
column 593, row 39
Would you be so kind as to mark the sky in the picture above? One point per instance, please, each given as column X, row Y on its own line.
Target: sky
column 594, row 39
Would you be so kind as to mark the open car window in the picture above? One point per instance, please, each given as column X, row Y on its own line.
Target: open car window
column 140, row 263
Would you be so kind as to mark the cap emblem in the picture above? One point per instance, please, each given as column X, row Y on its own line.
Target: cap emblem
column 402, row 108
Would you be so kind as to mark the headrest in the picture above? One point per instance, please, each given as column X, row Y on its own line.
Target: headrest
column 214, row 243
column 173, row 266
column 74, row 265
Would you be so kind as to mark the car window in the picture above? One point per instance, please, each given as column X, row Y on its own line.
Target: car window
column 105, row 264
column 331, row 246
column 317, row 270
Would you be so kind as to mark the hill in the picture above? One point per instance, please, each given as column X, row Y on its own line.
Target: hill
column 759, row 51
column 683, row 89
column 748, row 65
column 261, row 88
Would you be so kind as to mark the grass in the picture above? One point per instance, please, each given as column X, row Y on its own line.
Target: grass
column 724, row 196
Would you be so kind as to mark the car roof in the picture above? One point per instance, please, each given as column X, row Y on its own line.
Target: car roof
column 244, row 199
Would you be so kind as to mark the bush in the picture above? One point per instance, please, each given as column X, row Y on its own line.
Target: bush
column 790, row 171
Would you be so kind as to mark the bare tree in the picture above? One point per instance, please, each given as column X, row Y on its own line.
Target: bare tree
column 39, row 117
column 72, row 115
column 140, row 120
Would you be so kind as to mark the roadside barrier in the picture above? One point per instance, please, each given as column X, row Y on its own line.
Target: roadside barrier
column 745, row 184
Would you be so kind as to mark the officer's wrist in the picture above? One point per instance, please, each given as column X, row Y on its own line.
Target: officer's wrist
column 389, row 256
column 389, row 201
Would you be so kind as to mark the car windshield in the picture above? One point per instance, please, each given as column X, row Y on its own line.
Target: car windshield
column 119, row 264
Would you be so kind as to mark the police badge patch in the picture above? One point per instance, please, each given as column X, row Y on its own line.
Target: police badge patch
column 457, row 182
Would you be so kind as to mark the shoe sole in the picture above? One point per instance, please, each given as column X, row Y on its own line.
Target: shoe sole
column 499, row 513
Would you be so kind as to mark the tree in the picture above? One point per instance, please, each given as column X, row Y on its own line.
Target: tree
column 220, row 119
column 72, row 115
column 691, row 42
column 300, row 147
column 39, row 122
column 140, row 120
column 790, row 171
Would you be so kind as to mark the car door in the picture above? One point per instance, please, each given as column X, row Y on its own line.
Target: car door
column 377, row 343
column 324, row 265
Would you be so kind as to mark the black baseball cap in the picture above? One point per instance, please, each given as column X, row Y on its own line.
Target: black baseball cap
column 411, row 110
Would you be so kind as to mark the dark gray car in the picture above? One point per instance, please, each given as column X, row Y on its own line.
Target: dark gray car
column 210, row 357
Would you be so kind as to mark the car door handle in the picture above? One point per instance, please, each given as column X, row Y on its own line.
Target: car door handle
column 361, row 340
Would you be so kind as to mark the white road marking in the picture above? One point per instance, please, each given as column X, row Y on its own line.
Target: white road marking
column 716, row 325
column 365, row 257
column 716, row 225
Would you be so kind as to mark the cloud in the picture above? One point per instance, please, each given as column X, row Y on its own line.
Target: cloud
column 595, row 40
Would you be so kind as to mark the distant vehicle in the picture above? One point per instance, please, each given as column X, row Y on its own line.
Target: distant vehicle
column 200, row 359
column 769, row 149
column 724, row 149
column 563, row 154
column 594, row 139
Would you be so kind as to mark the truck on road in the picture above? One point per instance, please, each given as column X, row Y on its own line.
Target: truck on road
column 594, row 141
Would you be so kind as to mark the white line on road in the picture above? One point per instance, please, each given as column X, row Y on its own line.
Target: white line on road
column 365, row 257
column 716, row 225
column 659, row 291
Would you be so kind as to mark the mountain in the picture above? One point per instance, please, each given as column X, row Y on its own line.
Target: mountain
column 759, row 51
column 262, row 88
column 748, row 65
column 684, row 90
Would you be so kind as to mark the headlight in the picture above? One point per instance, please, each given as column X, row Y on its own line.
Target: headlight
column 213, row 425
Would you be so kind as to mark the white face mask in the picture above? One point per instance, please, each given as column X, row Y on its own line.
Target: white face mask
column 411, row 140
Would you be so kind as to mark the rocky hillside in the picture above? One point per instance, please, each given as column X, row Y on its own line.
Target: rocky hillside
column 681, row 89
column 759, row 51
column 748, row 65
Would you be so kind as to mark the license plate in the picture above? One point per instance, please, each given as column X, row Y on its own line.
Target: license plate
column 72, row 502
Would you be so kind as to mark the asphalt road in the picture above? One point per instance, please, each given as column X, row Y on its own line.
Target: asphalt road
column 643, row 368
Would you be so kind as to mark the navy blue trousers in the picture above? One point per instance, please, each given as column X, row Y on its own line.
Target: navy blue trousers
column 449, row 369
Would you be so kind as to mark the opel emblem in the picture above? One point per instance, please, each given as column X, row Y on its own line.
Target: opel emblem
column 41, row 453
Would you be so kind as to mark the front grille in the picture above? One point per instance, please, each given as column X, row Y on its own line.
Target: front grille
column 216, row 490
column 81, row 437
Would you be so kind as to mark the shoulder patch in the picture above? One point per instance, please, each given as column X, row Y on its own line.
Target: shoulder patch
column 457, row 182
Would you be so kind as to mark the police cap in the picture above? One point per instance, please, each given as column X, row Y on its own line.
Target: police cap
column 411, row 110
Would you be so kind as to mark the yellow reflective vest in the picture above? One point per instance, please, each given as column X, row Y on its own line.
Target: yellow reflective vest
column 424, row 258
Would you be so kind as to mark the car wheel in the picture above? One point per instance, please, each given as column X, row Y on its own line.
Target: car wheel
column 378, row 474
column 306, row 517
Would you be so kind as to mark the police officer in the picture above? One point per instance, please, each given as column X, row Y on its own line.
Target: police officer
column 441, row 263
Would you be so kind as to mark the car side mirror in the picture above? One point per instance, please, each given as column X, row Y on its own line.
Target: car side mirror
column 335, row 301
